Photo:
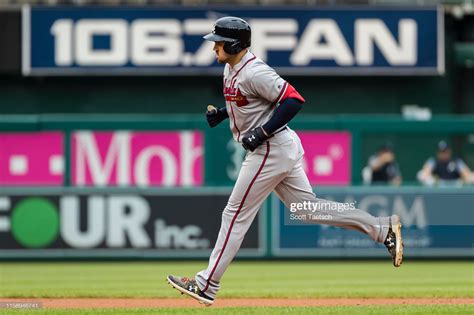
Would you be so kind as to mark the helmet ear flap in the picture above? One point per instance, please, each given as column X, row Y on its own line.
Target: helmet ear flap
column 232, row 48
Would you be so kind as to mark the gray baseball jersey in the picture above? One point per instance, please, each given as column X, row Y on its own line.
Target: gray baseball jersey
column 252, row 89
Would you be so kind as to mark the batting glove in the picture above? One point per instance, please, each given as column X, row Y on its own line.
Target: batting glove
column 216, row 115
column 252, row 139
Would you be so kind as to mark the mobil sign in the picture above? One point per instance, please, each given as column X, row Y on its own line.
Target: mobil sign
column 126, row 158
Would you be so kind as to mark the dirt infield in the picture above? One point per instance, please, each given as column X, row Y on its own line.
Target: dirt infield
column 226, row 302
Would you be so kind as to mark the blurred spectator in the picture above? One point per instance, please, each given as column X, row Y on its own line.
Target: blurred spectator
column 445, row 169
column 382, row 167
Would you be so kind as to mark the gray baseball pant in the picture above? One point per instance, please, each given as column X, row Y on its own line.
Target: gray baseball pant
column 274, row 166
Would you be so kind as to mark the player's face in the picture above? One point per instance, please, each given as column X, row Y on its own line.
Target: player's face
column 444, row 155
column 221, row 55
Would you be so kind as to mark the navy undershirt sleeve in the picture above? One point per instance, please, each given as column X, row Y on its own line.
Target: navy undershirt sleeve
column 282, row 115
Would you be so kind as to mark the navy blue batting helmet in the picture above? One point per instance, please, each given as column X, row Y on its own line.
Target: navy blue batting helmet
column 233, row 31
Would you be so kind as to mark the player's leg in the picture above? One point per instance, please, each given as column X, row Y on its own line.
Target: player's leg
column 295, row 188
column 253, row 185
column 261, row 171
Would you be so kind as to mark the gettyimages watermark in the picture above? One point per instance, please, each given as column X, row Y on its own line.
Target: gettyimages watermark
column 417, row 209
column 312, row 206
column 308, row 211
column 21, row 305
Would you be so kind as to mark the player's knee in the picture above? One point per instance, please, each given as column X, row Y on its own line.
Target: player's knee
column 230, row 209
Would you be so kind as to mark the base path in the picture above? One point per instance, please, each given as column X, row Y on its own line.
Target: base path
column 229, row 302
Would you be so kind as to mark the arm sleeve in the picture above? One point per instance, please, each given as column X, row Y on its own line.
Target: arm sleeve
column 372, row 161
column 430, row 163
column 461, row 166
column 397, row 170
column 282, row 115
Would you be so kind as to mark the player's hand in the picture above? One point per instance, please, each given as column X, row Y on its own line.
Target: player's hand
column 252, row 139
column 215, row 115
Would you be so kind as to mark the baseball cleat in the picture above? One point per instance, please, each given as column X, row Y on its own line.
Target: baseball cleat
column 394, row 242
column 189, row 287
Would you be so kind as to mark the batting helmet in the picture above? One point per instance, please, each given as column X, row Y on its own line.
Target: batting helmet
column 233, row 31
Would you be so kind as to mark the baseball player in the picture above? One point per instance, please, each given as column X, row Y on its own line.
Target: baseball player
column 259, row 105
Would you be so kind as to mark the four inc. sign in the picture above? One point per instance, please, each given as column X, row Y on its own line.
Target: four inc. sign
column 95, row 223
column 114, row 41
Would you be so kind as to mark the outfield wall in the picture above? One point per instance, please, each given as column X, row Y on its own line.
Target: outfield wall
column 101, row 186
column 182, row 151
column 77, row 223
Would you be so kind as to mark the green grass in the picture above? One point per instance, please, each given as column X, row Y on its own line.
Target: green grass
column 243, row 279
column 406, row 309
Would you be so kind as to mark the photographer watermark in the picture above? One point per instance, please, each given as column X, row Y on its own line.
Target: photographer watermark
column 311, row 211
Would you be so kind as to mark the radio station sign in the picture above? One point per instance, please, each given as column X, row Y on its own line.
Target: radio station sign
column 168, row 41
